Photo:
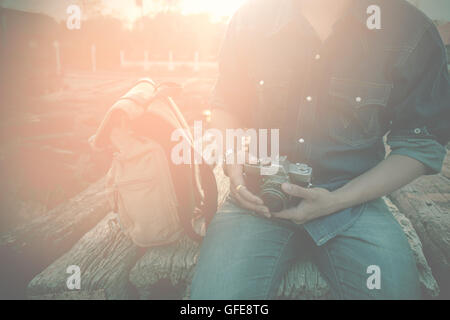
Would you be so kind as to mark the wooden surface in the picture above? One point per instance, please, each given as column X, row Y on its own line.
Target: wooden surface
column 104, row 255
column 111, row 265
column 28, row 249
column 426, row 203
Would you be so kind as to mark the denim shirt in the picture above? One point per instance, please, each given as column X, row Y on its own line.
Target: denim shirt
column 335, row 101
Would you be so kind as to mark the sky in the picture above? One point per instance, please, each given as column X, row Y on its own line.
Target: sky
column 126, row 9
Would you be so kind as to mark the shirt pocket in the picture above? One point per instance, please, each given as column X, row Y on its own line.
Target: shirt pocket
column 354, row 113
column 272, row 89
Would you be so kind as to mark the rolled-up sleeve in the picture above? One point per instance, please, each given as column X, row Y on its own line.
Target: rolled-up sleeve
column 234, row 91
column 421, row 116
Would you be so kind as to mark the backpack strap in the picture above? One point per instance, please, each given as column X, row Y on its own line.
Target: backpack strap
column 203, row 178
column 203, row 191
column 162, row 90
column 141, row 98
column 211, row 196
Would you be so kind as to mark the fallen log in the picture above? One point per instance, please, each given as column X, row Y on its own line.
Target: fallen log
column 29, row 248
column 109, row 263
column 426, row 203
column 176, row 263
column 104, row 257
column 430, row 287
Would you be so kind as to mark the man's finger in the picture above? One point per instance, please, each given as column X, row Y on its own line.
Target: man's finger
column 251, row 206
column 288, row 214
column 239, row 187
column 247, row 195
column 285, row 214
column 297, row 191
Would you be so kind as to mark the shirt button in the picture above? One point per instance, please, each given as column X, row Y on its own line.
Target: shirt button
column 417, row 131
column 317, row 57
column 358, row 99
column 301, row 140
column 309, row 98
column 261, row 83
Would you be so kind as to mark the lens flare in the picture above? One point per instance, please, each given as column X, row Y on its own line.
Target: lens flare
column 216, row 8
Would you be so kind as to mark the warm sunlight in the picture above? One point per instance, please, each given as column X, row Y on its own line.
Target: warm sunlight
column 206, row 151
column 129, row 11
column 214, row 7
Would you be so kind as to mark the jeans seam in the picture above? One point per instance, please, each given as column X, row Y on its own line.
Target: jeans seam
column 343, row 228
column 333, row 269
column 271, row 278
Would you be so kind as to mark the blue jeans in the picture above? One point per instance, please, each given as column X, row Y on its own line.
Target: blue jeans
column 244, row 256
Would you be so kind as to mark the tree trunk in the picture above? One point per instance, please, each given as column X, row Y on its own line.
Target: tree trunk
column 104, row 257
column 28, row 249
column 426, row 203
column 430, row 287
column 112, row 267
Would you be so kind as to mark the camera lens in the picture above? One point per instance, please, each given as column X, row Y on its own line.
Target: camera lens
column 275, row 200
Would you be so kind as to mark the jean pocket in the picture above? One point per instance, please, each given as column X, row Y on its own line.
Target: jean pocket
column 355, row 111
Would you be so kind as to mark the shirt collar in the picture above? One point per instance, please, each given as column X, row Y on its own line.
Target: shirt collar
column 286, row 14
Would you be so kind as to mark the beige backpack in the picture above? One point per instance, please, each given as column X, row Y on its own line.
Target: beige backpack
column 155, row 200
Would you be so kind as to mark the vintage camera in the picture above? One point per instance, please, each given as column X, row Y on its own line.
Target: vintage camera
column 269, row 177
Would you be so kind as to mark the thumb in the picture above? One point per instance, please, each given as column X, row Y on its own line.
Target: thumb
column 297, row 191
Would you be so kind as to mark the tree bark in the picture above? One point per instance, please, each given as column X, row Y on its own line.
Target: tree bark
column 426, row 203
column 28, row 249
column 104, row 255
column 112, row 267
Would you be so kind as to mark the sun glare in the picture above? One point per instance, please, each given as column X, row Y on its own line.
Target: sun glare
column 217, row 8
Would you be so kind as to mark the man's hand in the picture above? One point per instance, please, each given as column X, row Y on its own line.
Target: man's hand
column 389, row 175
column 241, row 194
column 316, row 203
